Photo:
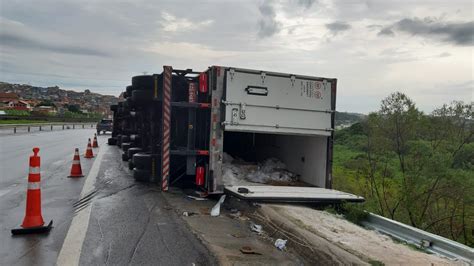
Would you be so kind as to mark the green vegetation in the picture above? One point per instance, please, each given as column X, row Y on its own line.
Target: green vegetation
column 412, row 167
column 17, row 112
column 46, row 103
column 343, row 118
column 21, row 121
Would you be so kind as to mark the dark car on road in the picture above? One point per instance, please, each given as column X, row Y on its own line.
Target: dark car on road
column 104, row 125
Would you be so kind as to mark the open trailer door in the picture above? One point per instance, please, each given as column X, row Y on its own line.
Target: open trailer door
column 285, row 194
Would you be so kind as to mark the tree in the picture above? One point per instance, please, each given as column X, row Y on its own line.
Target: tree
column 46, row 103
column 73, row 108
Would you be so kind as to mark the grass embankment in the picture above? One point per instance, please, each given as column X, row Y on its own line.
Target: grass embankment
column 22, row 121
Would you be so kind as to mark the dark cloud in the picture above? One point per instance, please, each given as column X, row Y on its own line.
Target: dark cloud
column 18, row 41
column 387, row 31
column 337, row 27
column 306, row 3
column 267, row 25
column 455, row 33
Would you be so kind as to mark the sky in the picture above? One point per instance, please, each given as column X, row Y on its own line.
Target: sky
column 373, row 47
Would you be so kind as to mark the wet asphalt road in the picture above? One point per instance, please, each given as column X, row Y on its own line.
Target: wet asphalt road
column 130, row 223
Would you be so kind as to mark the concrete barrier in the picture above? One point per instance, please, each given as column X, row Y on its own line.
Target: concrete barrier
column 17, row 128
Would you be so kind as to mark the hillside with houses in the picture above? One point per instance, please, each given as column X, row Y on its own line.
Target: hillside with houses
column 53, row 100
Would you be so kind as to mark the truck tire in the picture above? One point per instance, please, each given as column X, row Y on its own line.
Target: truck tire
column 126, row 146
column 142, row 161
column 125, row 139
column 112, row 141
column 124, row 156
column 119, row 140
column 129, row 90
column 130, row 102
column 135, row 139
column 142, row 96
column 132, row 151
column 141, row 175
column 142, row 82
column 130, row 164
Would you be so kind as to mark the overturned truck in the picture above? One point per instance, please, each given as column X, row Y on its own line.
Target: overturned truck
column 176, row 127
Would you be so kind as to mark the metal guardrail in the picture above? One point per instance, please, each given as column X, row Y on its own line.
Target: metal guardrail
column 422, row 239
column 45, row 126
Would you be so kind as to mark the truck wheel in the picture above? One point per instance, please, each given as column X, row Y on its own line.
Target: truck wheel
column 119, row 140
column 142, row 161
column 126, row 146
column 125, row 138
column 141, row 175
column 129, row 90
column 132, row 151
column 112, row 141
column 124, row 157
column 142, row 96
column 142, row 82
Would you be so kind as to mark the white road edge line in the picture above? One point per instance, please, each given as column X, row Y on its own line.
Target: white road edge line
column 72, row 246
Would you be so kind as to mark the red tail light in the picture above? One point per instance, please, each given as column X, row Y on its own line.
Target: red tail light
column 203, row 82
column 199, row 175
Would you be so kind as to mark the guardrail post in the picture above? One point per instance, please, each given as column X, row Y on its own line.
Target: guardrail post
column 14, row 130
column 40, row 128
column 82, row 125
column 63, row 126
column 28, row 128
column 73, row 126
column 51, row 127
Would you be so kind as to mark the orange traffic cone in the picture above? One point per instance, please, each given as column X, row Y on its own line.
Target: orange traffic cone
column 94, row 143
column 89, row 154
column 33, row 221
column 76, row 170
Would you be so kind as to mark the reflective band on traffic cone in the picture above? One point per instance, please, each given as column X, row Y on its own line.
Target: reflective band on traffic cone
column 76, row 170
column 89, row 154
column 94, row 143
column 33, row 221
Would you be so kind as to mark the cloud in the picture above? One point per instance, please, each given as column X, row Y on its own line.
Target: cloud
column 307, row 4
column 171, row 23
column 337, row 27
column 452, row 32
column 18, row 41
column 183, row 50
column 387, row 31
column 267, row 24
column 445, row 54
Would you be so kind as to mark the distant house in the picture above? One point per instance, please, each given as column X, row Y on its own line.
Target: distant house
column 19, row 105
column 6, row 97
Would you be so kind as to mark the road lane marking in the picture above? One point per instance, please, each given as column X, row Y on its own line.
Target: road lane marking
column 71, row 250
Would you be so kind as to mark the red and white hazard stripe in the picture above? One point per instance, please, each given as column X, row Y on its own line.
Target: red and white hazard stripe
column 165, row 153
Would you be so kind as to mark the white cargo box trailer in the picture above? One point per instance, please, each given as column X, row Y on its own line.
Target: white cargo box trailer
column 260, row 114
